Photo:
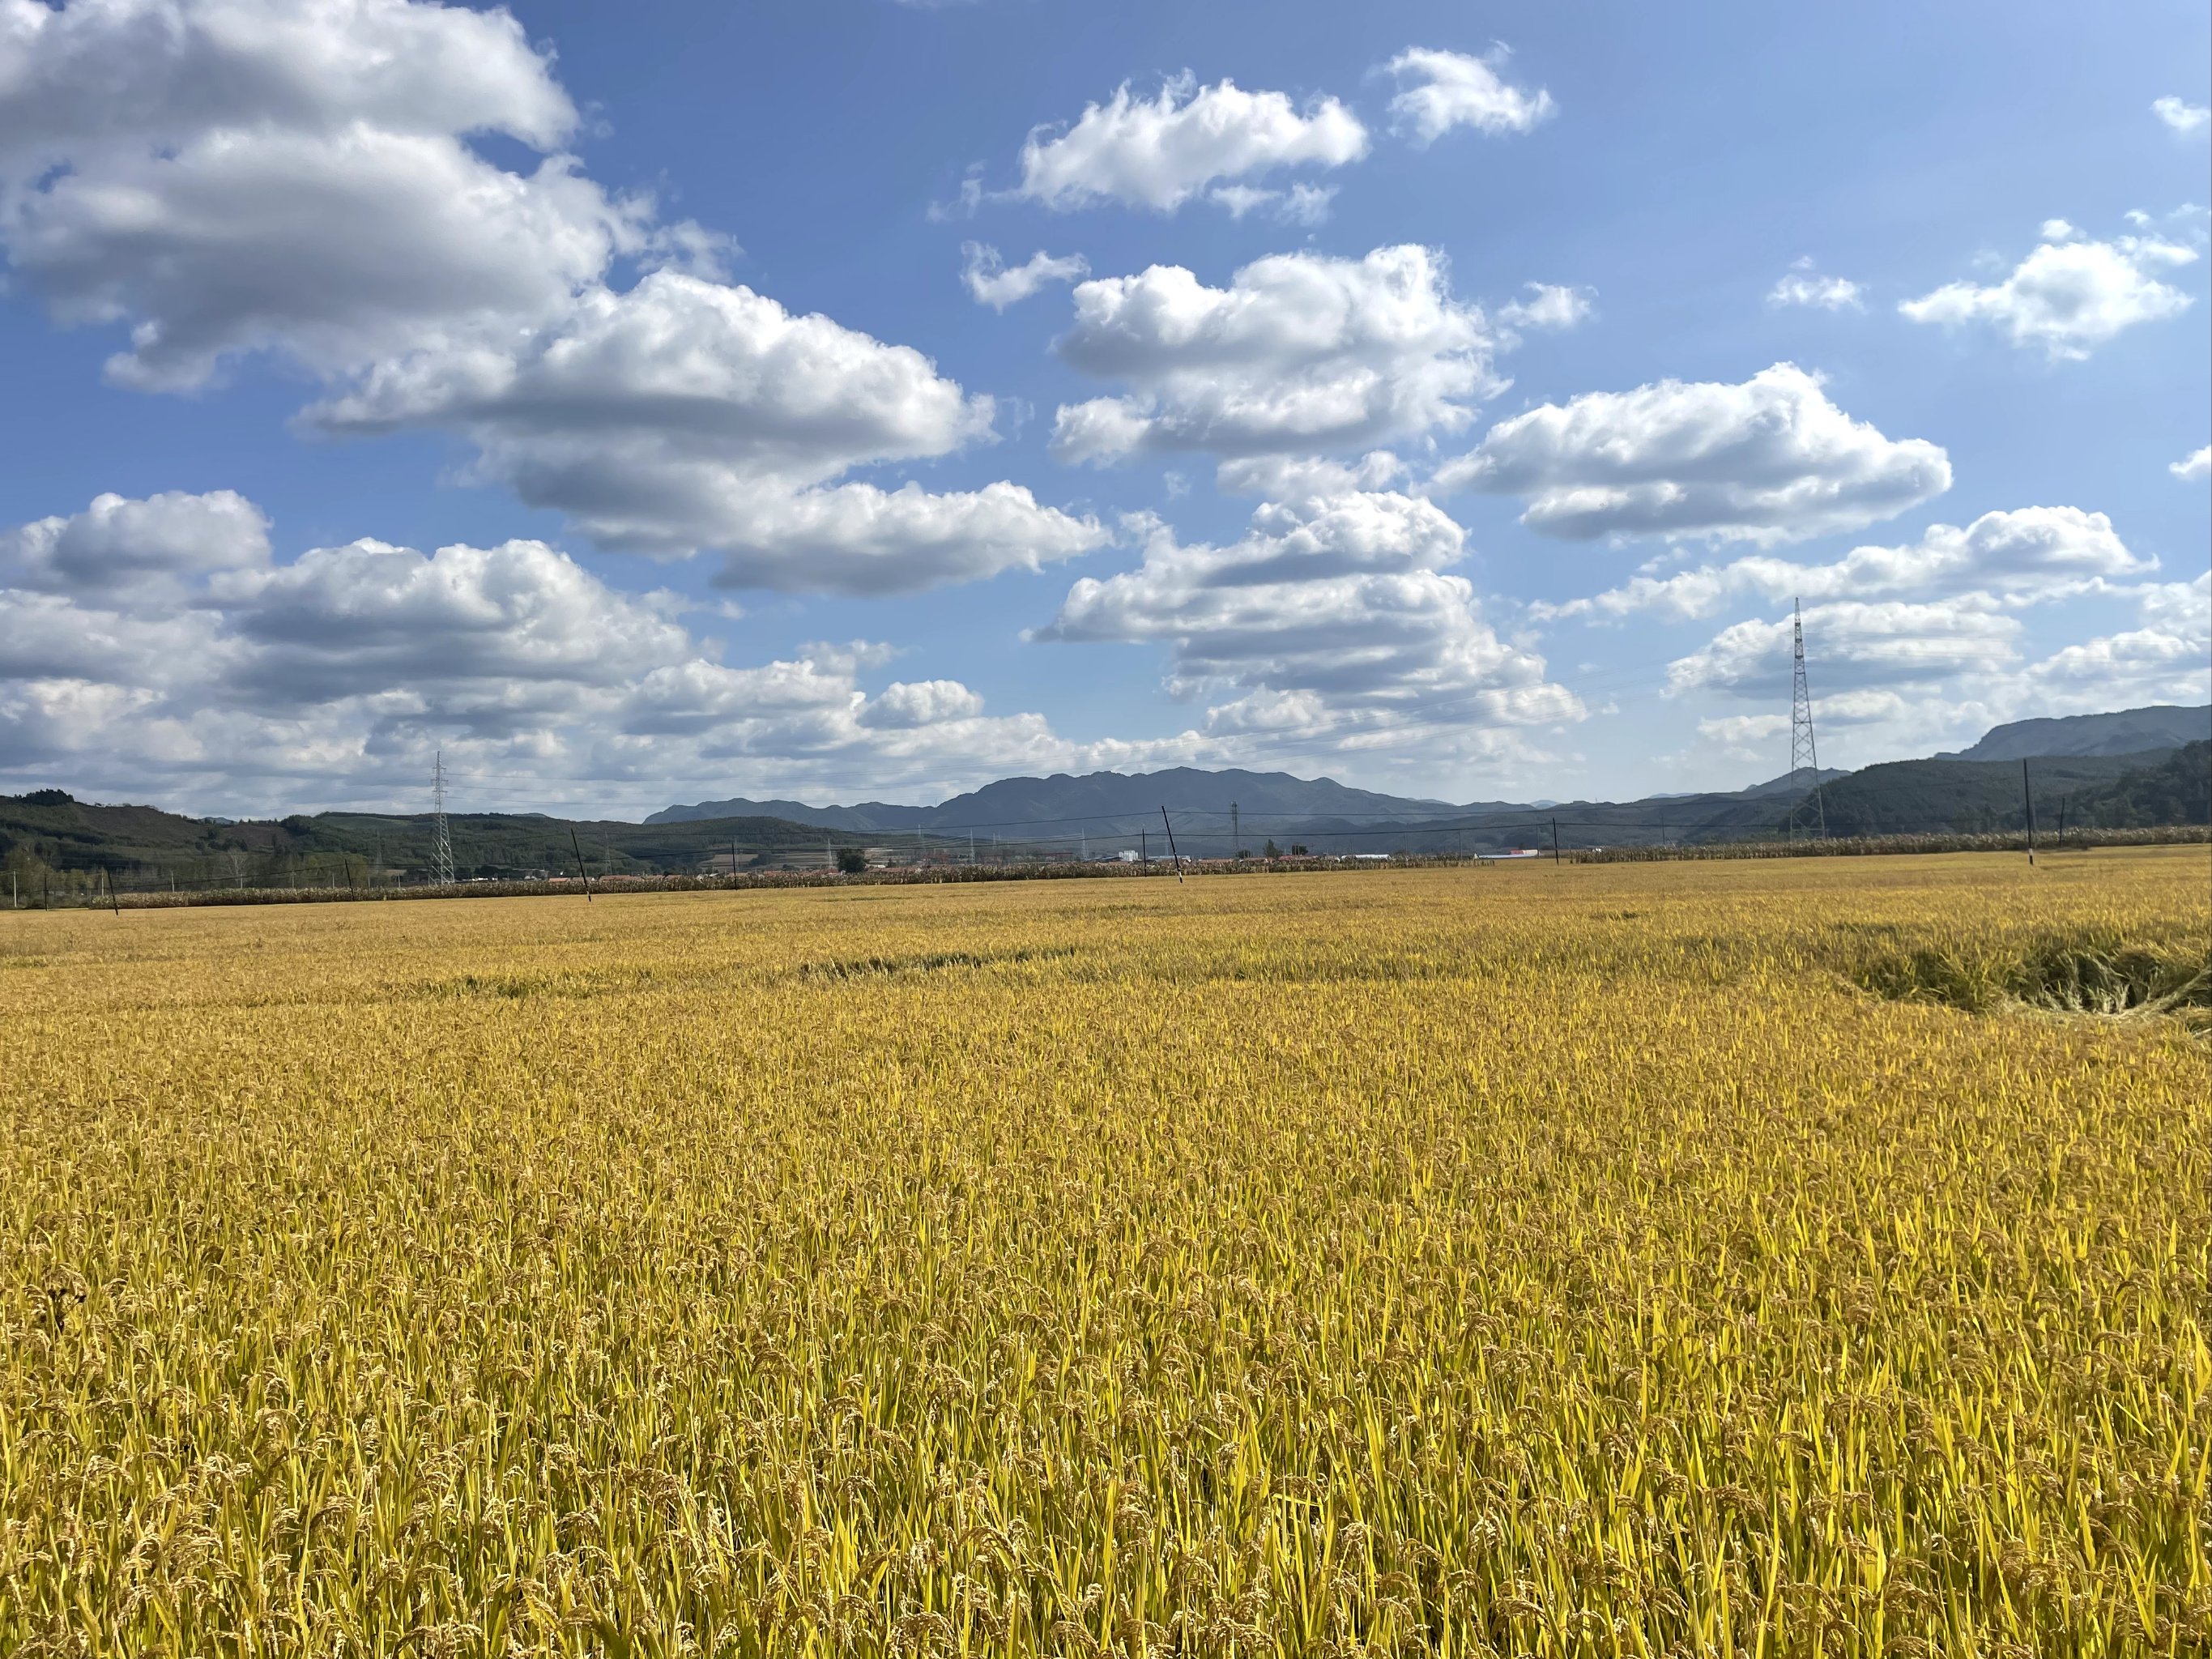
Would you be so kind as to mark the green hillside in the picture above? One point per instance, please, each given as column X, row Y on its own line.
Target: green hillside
column 49, row 837
column 1921, row 797
column 2177, row 790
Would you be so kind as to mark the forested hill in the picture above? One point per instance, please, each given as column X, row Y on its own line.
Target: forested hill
column 49, row 830
column 2177, row 790
column 1925, row 796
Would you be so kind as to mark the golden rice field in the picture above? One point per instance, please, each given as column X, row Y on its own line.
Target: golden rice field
column 1532, row 1260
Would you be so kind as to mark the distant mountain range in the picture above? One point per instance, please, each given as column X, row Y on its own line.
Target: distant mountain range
column 1977, row 788
column 1015, row 802
column 2077, row 775
column 2129, row 731
column 1105, row 799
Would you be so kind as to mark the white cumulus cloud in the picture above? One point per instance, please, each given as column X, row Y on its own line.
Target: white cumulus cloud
column 2030, row 555
column 1297, row 478
column 168, row 655
column 905, row 705
column 1910, row 674
column 231, row 175
column 1300, row 352
column 370, row 617
column 1332, row 618
column 994, row 283
column 1162, row 152
column 1443, row 91
column 1548, row 308
column 1802, row 285
column 2167, row 658
column 2068, row 297
column 2180, row 114
column 685, row 414
column 858, row 538
column 2190, row 468
column 1769, row 461
column 1299, row 205
column 1860, row 645
column 116, row 540
column 306, row 177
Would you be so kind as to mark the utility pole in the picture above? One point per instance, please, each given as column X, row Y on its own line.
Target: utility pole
column 577, row 848
column 2027, row 795
column 1172, row 853
column 1555, row 841
column 441, row 843
column 1145, row 847
column 1808, row 811
column 1235, row 834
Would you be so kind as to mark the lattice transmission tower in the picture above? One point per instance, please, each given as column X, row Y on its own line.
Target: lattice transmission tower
column 441, row 844
column 1808, row 813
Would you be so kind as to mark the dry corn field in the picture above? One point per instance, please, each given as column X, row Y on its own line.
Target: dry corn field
column 1620, row 1260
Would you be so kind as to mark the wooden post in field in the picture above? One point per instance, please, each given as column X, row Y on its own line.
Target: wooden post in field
column 2027, row 795
column 113, row 903
column 1172, row 853
column 577, row 846
column 1555, row 841
column 351, row 888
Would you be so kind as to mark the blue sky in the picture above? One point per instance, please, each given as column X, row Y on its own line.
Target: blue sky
column 1449, row 398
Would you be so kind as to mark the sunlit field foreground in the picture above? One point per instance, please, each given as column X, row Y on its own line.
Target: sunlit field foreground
column 1548, row 1261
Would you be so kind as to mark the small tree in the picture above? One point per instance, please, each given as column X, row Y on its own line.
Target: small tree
column 852, row 861
column 31, row 875
column 1297, row 850
column 1273, row 851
